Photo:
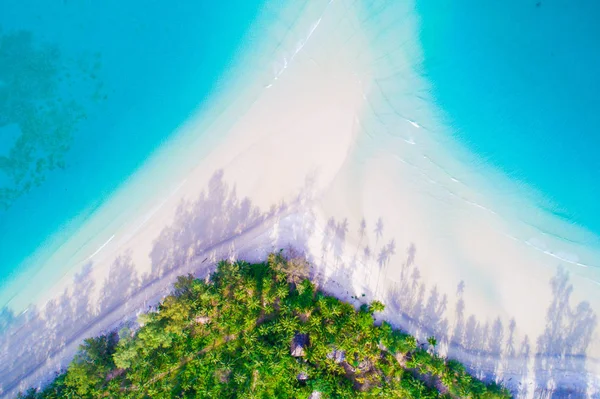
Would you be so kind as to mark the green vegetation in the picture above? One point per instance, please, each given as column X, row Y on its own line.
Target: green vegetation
column 261, row 331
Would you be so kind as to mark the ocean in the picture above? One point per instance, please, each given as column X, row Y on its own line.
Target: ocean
column 518, row 84
column 88, row 91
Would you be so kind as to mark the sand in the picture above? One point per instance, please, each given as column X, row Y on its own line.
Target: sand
column 323, row 137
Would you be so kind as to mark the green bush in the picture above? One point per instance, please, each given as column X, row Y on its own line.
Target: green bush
column 231, row 338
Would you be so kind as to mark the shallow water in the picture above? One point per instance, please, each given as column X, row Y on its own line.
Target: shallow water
column 333, row 98
column 517, row 82
column 118, row 79
column 501, row 79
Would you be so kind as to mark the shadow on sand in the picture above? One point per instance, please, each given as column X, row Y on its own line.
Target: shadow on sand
column 219, row 225
column 552, row 365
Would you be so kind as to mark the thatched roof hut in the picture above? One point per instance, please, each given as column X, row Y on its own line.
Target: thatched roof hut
column 338, row 356
column 299, row 342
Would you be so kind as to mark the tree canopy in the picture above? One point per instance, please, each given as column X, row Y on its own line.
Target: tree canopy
column 232, row 337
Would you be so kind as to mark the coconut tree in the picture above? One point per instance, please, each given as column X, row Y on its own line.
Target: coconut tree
column 432, row 343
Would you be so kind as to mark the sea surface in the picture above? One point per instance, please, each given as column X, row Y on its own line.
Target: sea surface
column 88, row 91
column 518, row 83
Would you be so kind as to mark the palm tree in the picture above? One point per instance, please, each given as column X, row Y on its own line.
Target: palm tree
column 376, row 306
column 432, row 342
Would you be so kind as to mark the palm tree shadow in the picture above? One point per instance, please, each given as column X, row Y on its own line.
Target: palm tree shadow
column 491, row 350
column 561, row 349
column 217, row 224
column 220, row 224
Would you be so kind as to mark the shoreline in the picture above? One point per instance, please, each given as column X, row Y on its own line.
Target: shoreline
column 326, row 280
column 303, row 155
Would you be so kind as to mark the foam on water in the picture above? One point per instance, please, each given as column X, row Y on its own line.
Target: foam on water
column 64, row 253
column 403, row 116
column 345, row 80
column 400, row 104
column 516, row 82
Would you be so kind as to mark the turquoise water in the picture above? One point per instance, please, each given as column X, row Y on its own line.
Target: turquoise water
column 518, row 83
column 106, row 83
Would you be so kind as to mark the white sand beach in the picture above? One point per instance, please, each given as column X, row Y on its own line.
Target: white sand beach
column 323, row 136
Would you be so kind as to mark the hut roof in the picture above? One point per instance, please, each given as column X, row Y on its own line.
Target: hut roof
column 338, row 356
column 299, row 342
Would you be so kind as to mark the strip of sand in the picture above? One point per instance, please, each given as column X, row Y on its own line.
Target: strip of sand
column 326, row 140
